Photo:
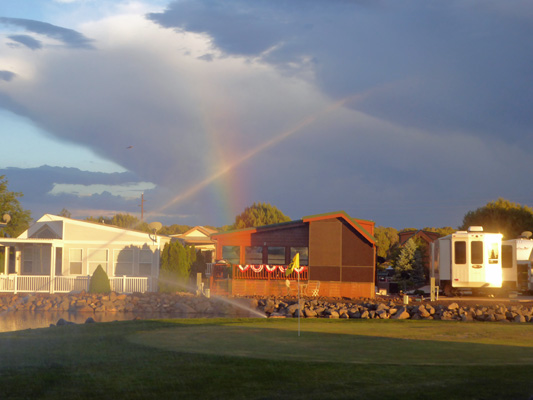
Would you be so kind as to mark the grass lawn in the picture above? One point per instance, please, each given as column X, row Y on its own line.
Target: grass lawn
column 263, row 359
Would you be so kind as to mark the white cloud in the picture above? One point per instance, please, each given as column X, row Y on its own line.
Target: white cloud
column 127, row 191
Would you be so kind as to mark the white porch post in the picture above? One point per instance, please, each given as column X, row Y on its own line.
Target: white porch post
column 18, row 261
column 123, row 283
column 6, row 260
column 15, row 284
column 52, row 268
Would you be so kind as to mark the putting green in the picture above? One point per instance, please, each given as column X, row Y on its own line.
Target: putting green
column 364, row 342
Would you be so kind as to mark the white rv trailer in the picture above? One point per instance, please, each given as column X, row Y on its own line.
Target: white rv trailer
column 517, row 260
column 467, row 260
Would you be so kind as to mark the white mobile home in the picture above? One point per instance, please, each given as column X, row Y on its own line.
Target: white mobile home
column 517, row 260
column 58, row 254
column 467, row 260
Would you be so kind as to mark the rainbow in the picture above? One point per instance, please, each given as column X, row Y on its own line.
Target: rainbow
column 229, row 187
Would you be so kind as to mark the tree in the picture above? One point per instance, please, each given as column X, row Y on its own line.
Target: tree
column 444, row 231
column 259, row 214
column 386, row 239
column 175, row 268
column 99, row 282
column 9, row 204
column 65, row 213
column 408, row 265
column 503, row 216
column 404, row 263
column 174, row 229
column 126, row 221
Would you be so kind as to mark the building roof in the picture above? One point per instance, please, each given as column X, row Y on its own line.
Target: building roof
column 428, row 236
column 58, row 228
column 355, row 223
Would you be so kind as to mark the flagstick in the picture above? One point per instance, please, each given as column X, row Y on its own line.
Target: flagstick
column 299, row 309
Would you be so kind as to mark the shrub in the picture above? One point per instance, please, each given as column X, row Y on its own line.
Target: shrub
column 99, row 281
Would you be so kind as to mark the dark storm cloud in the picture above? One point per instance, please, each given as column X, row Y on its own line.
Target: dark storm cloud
column 7, row 75
column 27, row 41
column 445, row 66
column 68, row 36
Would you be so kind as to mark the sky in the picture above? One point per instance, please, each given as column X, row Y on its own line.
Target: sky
column 409, row 114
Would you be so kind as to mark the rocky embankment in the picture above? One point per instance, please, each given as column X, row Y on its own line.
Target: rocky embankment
column 138, row 303
column 375, row 309
column 186, row 304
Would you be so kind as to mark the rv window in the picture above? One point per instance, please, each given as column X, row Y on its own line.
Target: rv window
column 494, row 253
column 476, row 252
column 507, row 256
column 460, row 252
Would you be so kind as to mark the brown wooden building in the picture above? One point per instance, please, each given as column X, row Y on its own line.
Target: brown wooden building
column 339, row 252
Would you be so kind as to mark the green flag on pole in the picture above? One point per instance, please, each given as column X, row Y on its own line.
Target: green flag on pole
column 295, row 264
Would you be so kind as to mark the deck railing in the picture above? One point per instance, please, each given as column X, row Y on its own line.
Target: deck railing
column 64, row 284
column 255, row 272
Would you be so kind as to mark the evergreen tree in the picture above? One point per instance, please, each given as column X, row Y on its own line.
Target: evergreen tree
column 9, row 204
column 404, row 263
column 259, row 214
column 175, row 269
column 99, row 282
column 65, row 213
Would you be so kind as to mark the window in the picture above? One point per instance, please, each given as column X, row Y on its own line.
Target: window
column 145, row 262
column 253, row 255
column 460, row 252
column 494, row 253
column 507, row 256
column 75, row 261
column 231, row 254
column 27, row 259
column 476, row 252
column 123, row 262
column 276, row 255
column 95, row 258
column 304, row 254
column 59, row 260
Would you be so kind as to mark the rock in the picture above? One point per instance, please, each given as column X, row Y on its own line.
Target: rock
column 519, row 318
column 423, row 312
column 269, row 306
column 85, row 308
column 62, row 322
column 402, row 313
column 309, row 313
column 184, row 308
column 90, row 320
column 453, row 306
column 500, row 317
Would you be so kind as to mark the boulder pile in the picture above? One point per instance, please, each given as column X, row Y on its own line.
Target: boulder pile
column 372, row 309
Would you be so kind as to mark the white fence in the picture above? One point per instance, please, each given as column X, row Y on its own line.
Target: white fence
column 65, row 284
